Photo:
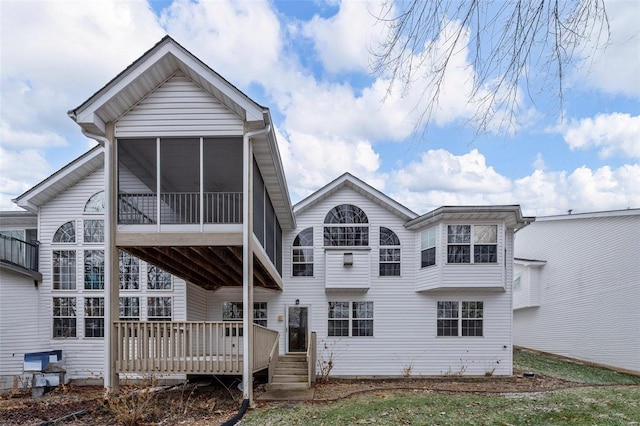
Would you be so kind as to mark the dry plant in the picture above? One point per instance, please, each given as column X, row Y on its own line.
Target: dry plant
column 133, row 404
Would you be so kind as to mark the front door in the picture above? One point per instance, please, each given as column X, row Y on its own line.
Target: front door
column 297, row 328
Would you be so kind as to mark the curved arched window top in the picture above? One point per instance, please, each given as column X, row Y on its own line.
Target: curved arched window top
column 66, row 233
column 304, row 238
column 346, row 213
column 95, row 204
column 388, row 237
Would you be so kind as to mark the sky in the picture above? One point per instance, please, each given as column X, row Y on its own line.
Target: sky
column 309, row 62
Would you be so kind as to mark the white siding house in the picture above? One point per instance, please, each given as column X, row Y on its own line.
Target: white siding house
column 188, row 179
column 577, row 287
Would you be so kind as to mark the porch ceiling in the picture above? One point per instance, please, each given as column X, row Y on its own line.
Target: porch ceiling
column 209, row 267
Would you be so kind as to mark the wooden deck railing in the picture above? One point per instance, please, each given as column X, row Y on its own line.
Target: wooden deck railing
column 188, row 347
column 311, row 358
column 265, row 348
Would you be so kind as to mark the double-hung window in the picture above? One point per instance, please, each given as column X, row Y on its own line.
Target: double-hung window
column 130, row 308
column 158, row 279
column 232, row 311
column 129, row 271
column 64, row 269
column 389, row 253
column 472, row 244
column 350, row 319
column 94, row 317
column 302, row 254
column 94, row 269
column 460, row 318
column 428, row 247
column 64, row 317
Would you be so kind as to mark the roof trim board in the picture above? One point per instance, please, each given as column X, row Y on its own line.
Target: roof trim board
column 347, row 180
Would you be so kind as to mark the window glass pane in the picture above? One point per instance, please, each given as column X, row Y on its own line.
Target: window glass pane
column 447, row 309
column 159, row 308
column 428, row 238
column 129, row 308
column 304, row 238
column 388, row 237
column 346, row 236
column 94, row 269
column 158, row 279
column 346, row 213
column 93, row 231
column 485, row 253
column 447, row 327
column 64, row 270
column 428, row 257
column 458, row 254
column 95, row 203
column 66, row 233
column 485, row 234
column 459, row 234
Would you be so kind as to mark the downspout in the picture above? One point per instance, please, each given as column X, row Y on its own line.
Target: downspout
column 108, row 317
column 247, row 263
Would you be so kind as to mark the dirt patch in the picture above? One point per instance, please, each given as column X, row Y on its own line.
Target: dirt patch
column 202, row 404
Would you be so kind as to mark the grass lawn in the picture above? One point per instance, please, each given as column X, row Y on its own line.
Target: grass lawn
column 614, row 404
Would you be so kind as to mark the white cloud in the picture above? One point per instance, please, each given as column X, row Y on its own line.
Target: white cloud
column 344, row 41
column 615, row 70
column 20, row 170
column 24, row 139
column 612, row 134
column 240, row 40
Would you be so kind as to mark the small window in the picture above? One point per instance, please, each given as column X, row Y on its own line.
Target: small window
column 93, row 231
column 460, row 319
column 353, row 319
column 64, row 317
column 66, row 233
column 94, row 317
column 517, row 283
column 481, row 240
column 159, row 309
column 95, row 203
column 232, row 311
column 389, row 253
column 302, row 255
column 129, row 271
column 64, row 270
column 94, row 269
column 129, row 308
column 158, row 279
column 346, row 225
column 428, row 247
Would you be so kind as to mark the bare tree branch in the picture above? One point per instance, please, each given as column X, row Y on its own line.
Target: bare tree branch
column 514, row 46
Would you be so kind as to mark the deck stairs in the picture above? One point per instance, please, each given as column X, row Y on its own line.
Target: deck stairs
column 291, row 373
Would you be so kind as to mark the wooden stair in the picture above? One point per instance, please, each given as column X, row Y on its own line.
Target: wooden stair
column 291, row 373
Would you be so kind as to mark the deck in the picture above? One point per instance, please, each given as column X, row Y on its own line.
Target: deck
column 191, row 347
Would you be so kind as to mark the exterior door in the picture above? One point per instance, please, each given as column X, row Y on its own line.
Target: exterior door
column 297, row 328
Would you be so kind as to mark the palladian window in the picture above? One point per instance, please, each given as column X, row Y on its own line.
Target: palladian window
column 346, row 225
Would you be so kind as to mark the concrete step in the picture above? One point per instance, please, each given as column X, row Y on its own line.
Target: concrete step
column 289, row 386
column 291, row 364
column 295, row 371
column 289, row 378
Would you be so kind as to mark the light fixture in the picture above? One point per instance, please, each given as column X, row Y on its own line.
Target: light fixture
column 348, row 259
column 297, row 301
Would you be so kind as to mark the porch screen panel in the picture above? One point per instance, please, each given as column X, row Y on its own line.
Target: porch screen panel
column 180, row 180
column 270, row 230
column 258, row 204
column 137, row 178
column 222, row 180
column 278, row 247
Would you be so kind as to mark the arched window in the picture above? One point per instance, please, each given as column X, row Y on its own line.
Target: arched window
column 95, row 203
column 66, row 233
column 389, row 253
column 303, row 254
column 346, row 225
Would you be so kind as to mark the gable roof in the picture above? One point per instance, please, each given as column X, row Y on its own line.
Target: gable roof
column 150, row 71
column 510, row 214
column 62, row 179
column 347, row 180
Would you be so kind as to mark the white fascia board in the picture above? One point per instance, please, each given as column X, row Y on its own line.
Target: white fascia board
column 450, row 212
column 91, row 123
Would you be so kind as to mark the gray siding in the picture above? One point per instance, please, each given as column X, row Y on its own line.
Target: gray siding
column 589, row 289
column 179, row 107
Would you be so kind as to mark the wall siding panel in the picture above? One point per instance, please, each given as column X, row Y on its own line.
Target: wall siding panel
column 588, row 290
column 179, row 107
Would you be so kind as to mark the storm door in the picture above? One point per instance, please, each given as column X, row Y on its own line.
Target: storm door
column 297, row 328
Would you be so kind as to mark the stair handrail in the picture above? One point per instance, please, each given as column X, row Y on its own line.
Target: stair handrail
column 273, row 358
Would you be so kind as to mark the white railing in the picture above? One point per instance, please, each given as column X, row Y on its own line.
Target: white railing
column 265, row 345
column 180, row 208
column 311, row 359
column 186, row 347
